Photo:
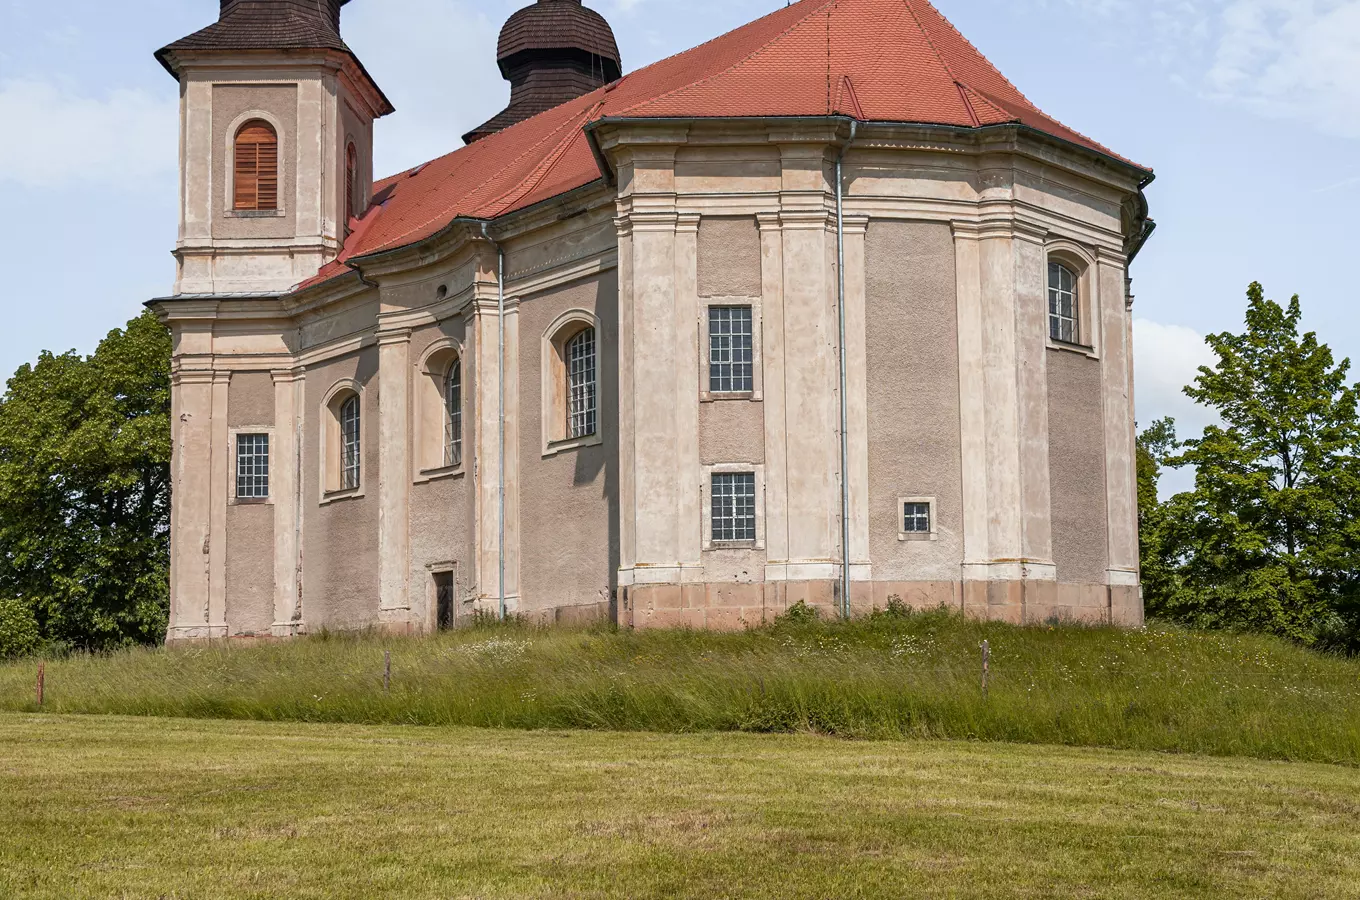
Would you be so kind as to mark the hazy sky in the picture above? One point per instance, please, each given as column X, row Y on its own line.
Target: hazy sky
column 1248, row 110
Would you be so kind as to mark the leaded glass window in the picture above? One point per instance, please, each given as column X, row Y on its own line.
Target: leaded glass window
column 252, row 467
column 1062, row 303
column 734, row 506
column 731, row 350
column 453, row 417
column 350, row 443
column 582, row 399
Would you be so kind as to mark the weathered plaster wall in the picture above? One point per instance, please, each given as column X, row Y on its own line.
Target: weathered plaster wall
column 229, row 102
column 731, row 431
column 569, row 543
column 442, row 510
column 913, row 396
column 251, row 403
column 340, row 544
column 1076, row 441
column 250, row 568
column 729, row 258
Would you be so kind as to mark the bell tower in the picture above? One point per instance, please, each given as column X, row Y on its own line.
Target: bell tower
column 276, row 145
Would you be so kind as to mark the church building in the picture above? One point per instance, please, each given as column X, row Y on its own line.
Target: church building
column 822, row 310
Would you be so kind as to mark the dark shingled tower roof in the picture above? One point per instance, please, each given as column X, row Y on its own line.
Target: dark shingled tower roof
column 551, row 53
column 268, row 25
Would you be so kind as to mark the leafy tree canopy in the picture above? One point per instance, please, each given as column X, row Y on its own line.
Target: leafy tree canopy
column 85, row 490
column 1268, row 538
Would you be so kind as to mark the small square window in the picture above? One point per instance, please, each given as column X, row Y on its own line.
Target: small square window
column 916, row 518
column 252, row 467
column 734, row 507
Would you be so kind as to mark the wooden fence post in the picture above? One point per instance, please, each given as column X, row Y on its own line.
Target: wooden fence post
column 986, row 665
column 387, row 671
column 42, row 679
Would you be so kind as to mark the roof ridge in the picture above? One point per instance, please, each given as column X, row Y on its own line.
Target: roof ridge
column 812, row 11
column 973, row 96
column 930, row 42
column 969, row 44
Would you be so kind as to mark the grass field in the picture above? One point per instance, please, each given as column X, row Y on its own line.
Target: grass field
column 117, row 807
column 914, row 677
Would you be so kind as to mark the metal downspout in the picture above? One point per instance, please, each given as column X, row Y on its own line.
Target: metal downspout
column 500, row 387
column 845, row 411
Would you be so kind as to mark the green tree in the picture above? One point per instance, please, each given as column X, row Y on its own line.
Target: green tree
column 85, row 490
column 1156, row 556
column 1268, row 539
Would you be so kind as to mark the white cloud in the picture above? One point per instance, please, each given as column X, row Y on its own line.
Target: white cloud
column 55, row 137
column 1296, row 59
column 1166, row 358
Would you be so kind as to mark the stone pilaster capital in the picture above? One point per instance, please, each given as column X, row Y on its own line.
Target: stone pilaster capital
column 1105, row 256
column 768, row 221
column 687, row 223
column 966, row 231
column 856, row 224
column 1032, row 232
column 193, row 376
column 221, row 376
column 793, row 219
column 394, row 336
column 288, row 376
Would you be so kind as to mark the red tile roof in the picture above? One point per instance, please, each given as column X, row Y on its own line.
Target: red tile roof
column 874, row 60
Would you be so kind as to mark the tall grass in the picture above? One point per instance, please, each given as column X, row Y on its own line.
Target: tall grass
column 890, row 677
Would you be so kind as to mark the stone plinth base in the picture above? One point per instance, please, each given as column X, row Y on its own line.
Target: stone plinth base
column 732, row 607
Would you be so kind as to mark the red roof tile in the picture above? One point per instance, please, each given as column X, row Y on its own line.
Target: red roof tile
column 874, row 60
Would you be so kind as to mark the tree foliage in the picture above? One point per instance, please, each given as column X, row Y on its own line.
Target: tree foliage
column 85, row 490
column 1268, row 539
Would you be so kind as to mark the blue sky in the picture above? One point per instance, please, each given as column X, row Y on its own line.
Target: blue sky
column 1249, row 111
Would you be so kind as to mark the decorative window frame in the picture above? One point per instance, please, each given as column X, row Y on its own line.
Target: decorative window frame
column 232, row 435
column 709, row 544
column 553, row 376
column 757, row 394
column 914, row 536
column 229, row 200
column 1082, row 264
column 329, row 459
column 430, row 409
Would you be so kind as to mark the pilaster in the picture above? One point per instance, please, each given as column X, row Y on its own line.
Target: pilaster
column 394, row 481
column 1121, row 478
column 286, row 490
column 191, row 575
column 857, row 395
column 219, row 496
column 776, row 406
column 972, row 397
column 687, row 350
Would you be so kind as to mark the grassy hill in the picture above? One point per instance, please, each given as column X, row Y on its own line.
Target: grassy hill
column 116, row 807
column 892, row 677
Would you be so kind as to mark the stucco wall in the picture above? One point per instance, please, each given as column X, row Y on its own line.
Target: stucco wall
column 729, row 258
column 340, row 543
column 250, row 568
column 251, row 400
column 731, row 431
column 442, row 510
column 1076, row 461
column 229, row 102
column 569, row 543
column 913, row 396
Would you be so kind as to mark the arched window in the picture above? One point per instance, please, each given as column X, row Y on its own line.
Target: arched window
column 453, row 418
column 351, row 179
column 1063, row 309
column 582, row 404
column 257, row 167
column 350, row 443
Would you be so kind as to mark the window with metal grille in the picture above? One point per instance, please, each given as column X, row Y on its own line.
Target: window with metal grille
column 252, row 467
column 915, row 518
column 731, row 351
column 734, row 506
column 453, row 418
column 582, row 403
column 350, row 443
column 256, row 185
column 1062, row 303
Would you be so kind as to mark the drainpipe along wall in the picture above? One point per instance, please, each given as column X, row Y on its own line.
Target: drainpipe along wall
column 845, row 411
column 500, row 391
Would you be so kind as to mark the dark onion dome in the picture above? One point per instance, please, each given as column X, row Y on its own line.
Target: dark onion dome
column 551, row 53
column 267, row 25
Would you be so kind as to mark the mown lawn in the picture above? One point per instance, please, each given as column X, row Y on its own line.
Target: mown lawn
column 895, row 677
column 119, row 807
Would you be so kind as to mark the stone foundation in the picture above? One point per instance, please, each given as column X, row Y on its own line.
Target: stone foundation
column 732, row 607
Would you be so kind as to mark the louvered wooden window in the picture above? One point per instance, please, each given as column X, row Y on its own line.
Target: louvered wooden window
column 257, row 167
column 351, row 175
